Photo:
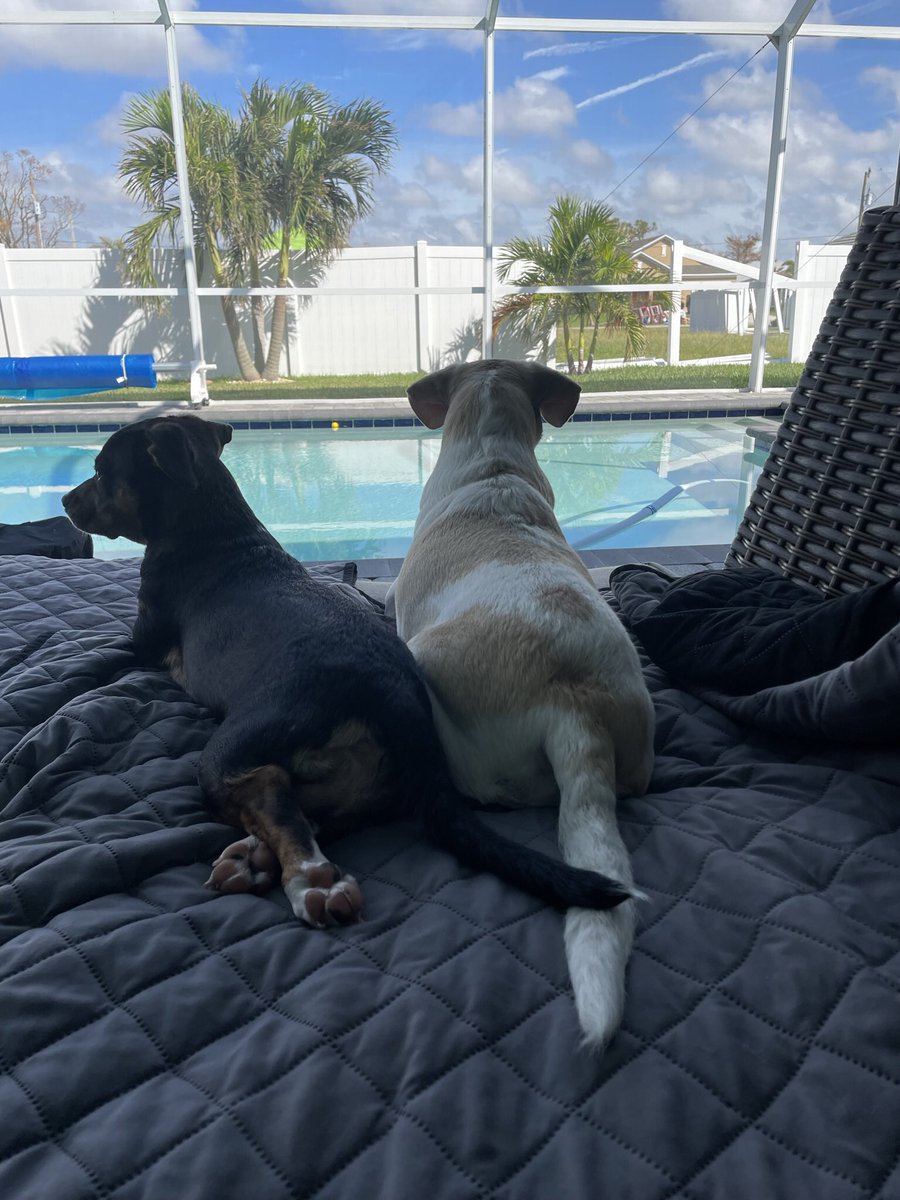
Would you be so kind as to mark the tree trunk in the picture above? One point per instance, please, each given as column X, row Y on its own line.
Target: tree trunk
column 272, row 368
column 258, row 316
column 569, row 359
column 248, row 371
column 593, row 346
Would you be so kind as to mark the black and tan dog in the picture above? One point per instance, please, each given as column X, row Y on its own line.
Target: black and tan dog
column 326, row 723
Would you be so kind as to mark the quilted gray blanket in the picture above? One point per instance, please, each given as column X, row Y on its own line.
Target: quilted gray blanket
column 159, row 1041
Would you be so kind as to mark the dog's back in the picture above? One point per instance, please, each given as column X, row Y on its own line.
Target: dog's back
column 325, row 719
column 536, row 689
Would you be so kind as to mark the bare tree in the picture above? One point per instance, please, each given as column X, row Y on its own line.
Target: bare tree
column 30, row 216
column 743, row 248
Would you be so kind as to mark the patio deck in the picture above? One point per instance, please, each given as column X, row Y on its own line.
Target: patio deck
column 142, row 404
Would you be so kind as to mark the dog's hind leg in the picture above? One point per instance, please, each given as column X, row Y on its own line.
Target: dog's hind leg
column 262, row 799
column 597, row 943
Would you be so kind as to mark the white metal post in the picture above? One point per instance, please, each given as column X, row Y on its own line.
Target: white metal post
column 198, row 388
column 674, row 351
column 9, row 315
column 784, row 40
column 422, row 304
column 487, row 318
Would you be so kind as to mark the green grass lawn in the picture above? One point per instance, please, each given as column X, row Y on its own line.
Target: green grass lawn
column 612, row 379
column 342, row 387
column 611, row 344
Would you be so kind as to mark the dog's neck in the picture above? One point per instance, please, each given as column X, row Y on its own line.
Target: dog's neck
column 488, row 435
column 216, row 516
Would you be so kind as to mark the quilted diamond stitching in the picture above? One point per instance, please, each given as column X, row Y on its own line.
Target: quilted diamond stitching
column 683, row 720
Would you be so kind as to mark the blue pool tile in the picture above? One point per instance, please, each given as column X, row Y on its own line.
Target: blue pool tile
column 717, row 412
column 659, row 416
column 87, row 428
column 307, row 424
column 239, row 424
column 383, row 423
column 621, row 416
column 106, row 428
column 642, row 416
column 600, row 416
column 65, row 428
column 41, row 428
column 321, row 424
column 581, row 417
column 405, row 422
column 259, row 424
column 362, row 423
column 4, row 429
column 280, row 424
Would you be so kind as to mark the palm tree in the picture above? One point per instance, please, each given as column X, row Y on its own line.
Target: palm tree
column 291, row 160
column 586, row 244
column 147, row 169
column 320, row 178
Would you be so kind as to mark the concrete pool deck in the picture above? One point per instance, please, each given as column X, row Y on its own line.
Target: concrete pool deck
column 142, row 404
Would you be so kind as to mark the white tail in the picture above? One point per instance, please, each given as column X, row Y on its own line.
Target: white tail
column 597, row 943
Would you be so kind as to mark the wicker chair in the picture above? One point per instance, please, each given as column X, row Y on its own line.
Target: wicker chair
column 826, row 508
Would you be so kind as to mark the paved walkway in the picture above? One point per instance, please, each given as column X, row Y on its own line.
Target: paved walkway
column 82, row 412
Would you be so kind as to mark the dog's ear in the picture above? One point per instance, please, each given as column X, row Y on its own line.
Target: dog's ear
column 429, row 398
column 557, row 394
column 223, row 433
column 171, row 449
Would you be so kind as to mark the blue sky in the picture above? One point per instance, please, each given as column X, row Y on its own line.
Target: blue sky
column 574, row 112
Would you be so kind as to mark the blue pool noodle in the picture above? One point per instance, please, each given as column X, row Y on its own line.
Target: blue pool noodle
column 76, row 374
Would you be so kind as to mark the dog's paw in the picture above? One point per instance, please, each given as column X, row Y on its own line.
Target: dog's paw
column 322, row 896
column 245, row 866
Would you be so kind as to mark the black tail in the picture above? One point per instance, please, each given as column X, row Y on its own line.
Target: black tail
column 454, row 825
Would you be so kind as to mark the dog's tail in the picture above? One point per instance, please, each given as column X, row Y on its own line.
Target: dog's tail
column 598, row 944
column 454, row 825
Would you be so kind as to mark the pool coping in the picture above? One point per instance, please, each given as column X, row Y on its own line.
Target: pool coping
column 385, row 412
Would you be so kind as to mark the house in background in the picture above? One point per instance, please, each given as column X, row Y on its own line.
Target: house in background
column 730, row 310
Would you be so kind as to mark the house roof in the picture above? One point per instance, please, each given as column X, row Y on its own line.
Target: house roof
column 699, row 263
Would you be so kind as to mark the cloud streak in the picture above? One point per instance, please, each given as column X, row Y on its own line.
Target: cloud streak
column 564, row 49
column 645, row 79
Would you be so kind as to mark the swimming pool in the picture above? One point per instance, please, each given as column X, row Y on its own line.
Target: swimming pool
column 354, row 493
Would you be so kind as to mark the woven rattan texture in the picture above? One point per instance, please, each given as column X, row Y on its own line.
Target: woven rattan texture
column 826, row 508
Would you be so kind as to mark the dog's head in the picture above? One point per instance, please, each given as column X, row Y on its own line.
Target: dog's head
column 494, row 393
column 145, row 475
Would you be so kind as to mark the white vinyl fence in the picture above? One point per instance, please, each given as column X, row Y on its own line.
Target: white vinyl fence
column 332, row 335
column 336, row 334
column 816, row 264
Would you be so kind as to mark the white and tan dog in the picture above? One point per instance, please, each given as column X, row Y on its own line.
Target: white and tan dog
column 537, row 690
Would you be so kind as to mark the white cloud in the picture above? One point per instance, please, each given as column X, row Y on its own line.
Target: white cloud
column 770, row 11
column 112, row 49
column 707, row 56
column 567, row 49
column 449, row 8
column 588, row 154
column 552, row 73
column 413, row 39
column 533, row 107
column 109, row 126
column 711, row 181
column 107, row 211
column 885, row 79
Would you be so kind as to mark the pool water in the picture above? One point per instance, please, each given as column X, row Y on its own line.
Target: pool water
column 354, row 493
